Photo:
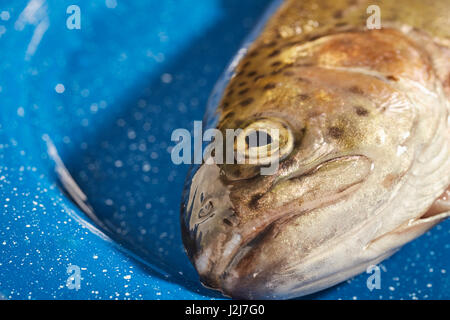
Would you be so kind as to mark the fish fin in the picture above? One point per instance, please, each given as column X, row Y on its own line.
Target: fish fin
column 412, row 229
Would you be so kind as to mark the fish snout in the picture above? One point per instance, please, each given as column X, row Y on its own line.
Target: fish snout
column 209, row 223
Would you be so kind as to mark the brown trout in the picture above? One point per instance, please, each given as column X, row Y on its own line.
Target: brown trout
column 365, row 163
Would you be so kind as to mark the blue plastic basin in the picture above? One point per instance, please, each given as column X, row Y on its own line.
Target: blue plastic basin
column 105, row 100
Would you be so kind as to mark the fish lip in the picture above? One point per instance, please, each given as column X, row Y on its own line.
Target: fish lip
column 326, row 159
column 298, row 174
column 221, row 275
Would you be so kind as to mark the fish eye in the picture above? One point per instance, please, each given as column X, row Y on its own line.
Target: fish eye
column 264, row 141
column 262, row 138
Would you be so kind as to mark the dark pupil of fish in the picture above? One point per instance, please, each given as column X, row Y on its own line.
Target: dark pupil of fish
column 258, row 139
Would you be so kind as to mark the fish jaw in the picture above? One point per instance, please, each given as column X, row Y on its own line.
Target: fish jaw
column 215, row 243
column 326, row 265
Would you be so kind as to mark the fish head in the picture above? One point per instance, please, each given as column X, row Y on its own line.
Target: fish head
column 345, row 141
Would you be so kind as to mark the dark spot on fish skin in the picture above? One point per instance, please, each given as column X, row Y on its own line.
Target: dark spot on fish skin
column 228, row 115
column 392, row 78
column 313, row 114
column 259, row 77
column 292, row 43
column 244, row 91
column 237, row 170
column 251, row 73
column 315, row 37
column 225, row 105
column 345, row 42
column 230, row 92
column 360, row 111
column 253, row 203
column 246, row 65
column 356, row 90
column 335, row 132
column 303, row 97
column 269, row 86
column 286, row 164
column 238, row 124
column 274, row 53
column 389, row 180
column 300, row 79
column 275, row 72
column 227, row 222
column 337, row 14
column 276, row 64
column 246, row 102
column 285, row 68
column 341, row 24
column 243, row 83
column 240, row 73
column 254, row 53
column 289, row 73
column 270, row 44
column 305, row 64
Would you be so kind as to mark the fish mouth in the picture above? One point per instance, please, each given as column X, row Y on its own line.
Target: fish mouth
column 313, row 189
column 318, row 186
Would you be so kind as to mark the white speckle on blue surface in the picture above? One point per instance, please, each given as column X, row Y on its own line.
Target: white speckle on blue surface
column 85, row 93
column 166, row 78
column 84, row 122
column 111, row 4
column 20, row 111
column 4, row 15
column 59, row 88
column 94, row 107
column 2, row 30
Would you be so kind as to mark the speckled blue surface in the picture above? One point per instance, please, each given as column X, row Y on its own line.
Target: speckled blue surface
column 109, row 96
